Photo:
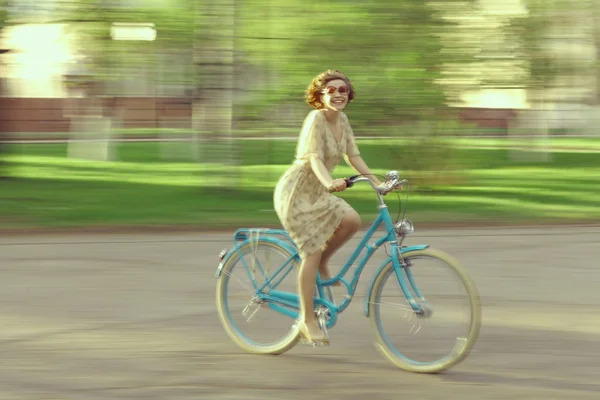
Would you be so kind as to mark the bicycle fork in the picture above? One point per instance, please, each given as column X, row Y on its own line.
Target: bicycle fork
column 403, row 268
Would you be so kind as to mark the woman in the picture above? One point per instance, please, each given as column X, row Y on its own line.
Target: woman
column 318, row 222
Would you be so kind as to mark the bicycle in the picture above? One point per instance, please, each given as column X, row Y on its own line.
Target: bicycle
column 400, row 263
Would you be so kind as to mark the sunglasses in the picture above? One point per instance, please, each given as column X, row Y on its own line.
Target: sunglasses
column 333, row 89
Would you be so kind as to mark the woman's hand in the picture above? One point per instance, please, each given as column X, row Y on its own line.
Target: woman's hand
column 337, row 185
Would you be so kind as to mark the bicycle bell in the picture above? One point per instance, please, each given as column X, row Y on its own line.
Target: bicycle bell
column 391, row 175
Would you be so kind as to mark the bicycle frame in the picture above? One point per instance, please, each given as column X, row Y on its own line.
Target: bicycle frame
column 287, row 303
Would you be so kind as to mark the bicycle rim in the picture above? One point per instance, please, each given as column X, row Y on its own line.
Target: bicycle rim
column 260, row 329
column 426, row 344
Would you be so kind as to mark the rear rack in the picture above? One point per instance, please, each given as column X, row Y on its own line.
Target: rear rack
column 245, row 233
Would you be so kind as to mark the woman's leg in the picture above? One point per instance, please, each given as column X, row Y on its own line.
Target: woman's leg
column 307, row 276
column 347, row 229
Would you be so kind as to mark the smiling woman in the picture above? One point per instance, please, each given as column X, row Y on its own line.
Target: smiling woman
column 318, row 222
column 321, row 81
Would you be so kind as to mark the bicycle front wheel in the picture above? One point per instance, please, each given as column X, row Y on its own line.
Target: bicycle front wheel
column 441, row 337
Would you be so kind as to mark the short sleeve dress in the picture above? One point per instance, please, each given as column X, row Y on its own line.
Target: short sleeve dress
column 304, row 206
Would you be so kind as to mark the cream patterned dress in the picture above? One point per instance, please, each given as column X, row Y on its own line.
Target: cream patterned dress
column 304, row 206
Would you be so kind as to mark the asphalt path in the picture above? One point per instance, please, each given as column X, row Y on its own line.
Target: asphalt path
column 123, row 316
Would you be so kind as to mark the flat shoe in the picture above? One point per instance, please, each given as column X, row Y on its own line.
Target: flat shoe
column 320, row 338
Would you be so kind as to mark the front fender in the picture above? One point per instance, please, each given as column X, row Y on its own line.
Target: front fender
column 402, row 250
column 283, row 244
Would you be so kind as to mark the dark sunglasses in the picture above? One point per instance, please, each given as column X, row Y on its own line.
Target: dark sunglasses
column 340, row 90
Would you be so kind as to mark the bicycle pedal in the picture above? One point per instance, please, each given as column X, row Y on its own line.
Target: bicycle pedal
column 313, row 344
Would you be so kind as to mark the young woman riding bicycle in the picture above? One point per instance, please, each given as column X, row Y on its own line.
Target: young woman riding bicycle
column 318, row 222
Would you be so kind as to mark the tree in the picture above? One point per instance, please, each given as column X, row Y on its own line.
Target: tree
column 392, row 49
column 3, row 127
column 389, row 48
column 596, row 38
column 550, row 42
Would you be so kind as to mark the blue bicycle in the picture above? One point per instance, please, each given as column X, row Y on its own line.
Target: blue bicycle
column 405, row 304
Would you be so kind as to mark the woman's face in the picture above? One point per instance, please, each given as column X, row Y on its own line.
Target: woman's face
column 335, row 95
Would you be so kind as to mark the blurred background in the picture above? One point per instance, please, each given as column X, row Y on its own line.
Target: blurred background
column 186, row 112
column 162, row 113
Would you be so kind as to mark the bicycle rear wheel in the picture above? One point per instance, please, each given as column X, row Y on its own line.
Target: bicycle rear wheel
column 252, row 325
column 448, row 295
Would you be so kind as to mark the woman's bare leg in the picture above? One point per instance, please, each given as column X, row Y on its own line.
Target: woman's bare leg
column 347, row 229
column 307, row 277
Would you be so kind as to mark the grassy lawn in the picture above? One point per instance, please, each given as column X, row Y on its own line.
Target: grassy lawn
column 480, row 184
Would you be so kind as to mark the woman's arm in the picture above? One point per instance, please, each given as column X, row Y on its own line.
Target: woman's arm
column 310, row 146
column 361, row 167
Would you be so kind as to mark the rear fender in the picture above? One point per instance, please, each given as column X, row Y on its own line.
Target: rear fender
column 225, row 254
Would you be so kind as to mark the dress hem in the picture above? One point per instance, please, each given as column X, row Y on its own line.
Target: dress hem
column 339, row 217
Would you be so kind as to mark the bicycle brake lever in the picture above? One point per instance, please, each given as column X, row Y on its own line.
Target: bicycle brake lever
column 384, row 189
column 349, row 181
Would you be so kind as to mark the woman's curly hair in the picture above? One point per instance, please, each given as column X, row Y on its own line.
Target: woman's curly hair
column 319, row 82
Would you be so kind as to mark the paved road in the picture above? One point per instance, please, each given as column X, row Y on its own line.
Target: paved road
column 133, row 317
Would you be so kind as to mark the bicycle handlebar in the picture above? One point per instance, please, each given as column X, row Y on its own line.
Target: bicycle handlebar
column 392, row 182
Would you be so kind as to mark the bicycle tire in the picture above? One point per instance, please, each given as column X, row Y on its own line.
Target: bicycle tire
column 277, row 347
column 394, row 355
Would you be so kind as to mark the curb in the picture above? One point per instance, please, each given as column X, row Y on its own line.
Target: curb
column 179, row 229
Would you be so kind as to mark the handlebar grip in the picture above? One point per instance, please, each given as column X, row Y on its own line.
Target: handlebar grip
column 350, row 181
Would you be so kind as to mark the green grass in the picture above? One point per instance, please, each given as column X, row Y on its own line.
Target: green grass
column 480, row 184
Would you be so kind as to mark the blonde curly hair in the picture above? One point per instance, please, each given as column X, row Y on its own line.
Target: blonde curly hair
column 319, row 82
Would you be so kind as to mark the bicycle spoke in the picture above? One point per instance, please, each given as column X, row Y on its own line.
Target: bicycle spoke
column 249, row 289
column 394, row 305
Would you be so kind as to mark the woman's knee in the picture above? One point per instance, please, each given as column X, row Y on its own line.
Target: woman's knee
column 314, row 258
column 352, row 221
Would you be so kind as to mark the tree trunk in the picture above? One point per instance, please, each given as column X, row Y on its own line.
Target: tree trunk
column 213, row 104
column 596, row 19
column 4, row 173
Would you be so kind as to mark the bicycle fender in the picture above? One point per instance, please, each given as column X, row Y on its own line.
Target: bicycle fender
column 290, row 249
column 385, row 262
column 223, row 256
